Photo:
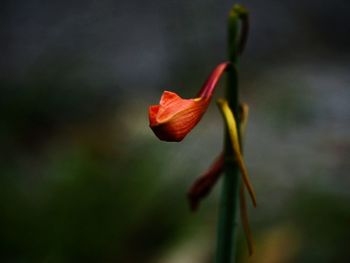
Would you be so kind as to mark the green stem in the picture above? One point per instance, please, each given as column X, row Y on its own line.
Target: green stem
column 229, row 206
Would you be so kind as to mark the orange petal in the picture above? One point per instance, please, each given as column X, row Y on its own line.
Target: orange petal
column 175, row 117
column 168, row 97
column 172, row 104
column 152, row 114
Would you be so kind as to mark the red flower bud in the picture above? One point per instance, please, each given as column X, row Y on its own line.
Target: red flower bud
column 175, row 117
column 203, row 184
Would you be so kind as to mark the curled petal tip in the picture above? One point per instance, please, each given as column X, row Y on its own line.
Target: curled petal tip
column 168, row 97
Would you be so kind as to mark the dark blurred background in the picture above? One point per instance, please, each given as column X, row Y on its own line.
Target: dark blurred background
column 83, row 178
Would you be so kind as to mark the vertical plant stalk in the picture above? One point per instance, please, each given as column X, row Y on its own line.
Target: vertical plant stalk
column 229, row 203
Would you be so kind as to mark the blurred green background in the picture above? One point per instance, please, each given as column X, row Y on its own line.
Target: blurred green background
column 83, row 178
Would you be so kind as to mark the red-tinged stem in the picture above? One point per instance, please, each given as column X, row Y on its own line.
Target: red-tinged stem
column 210, row 84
